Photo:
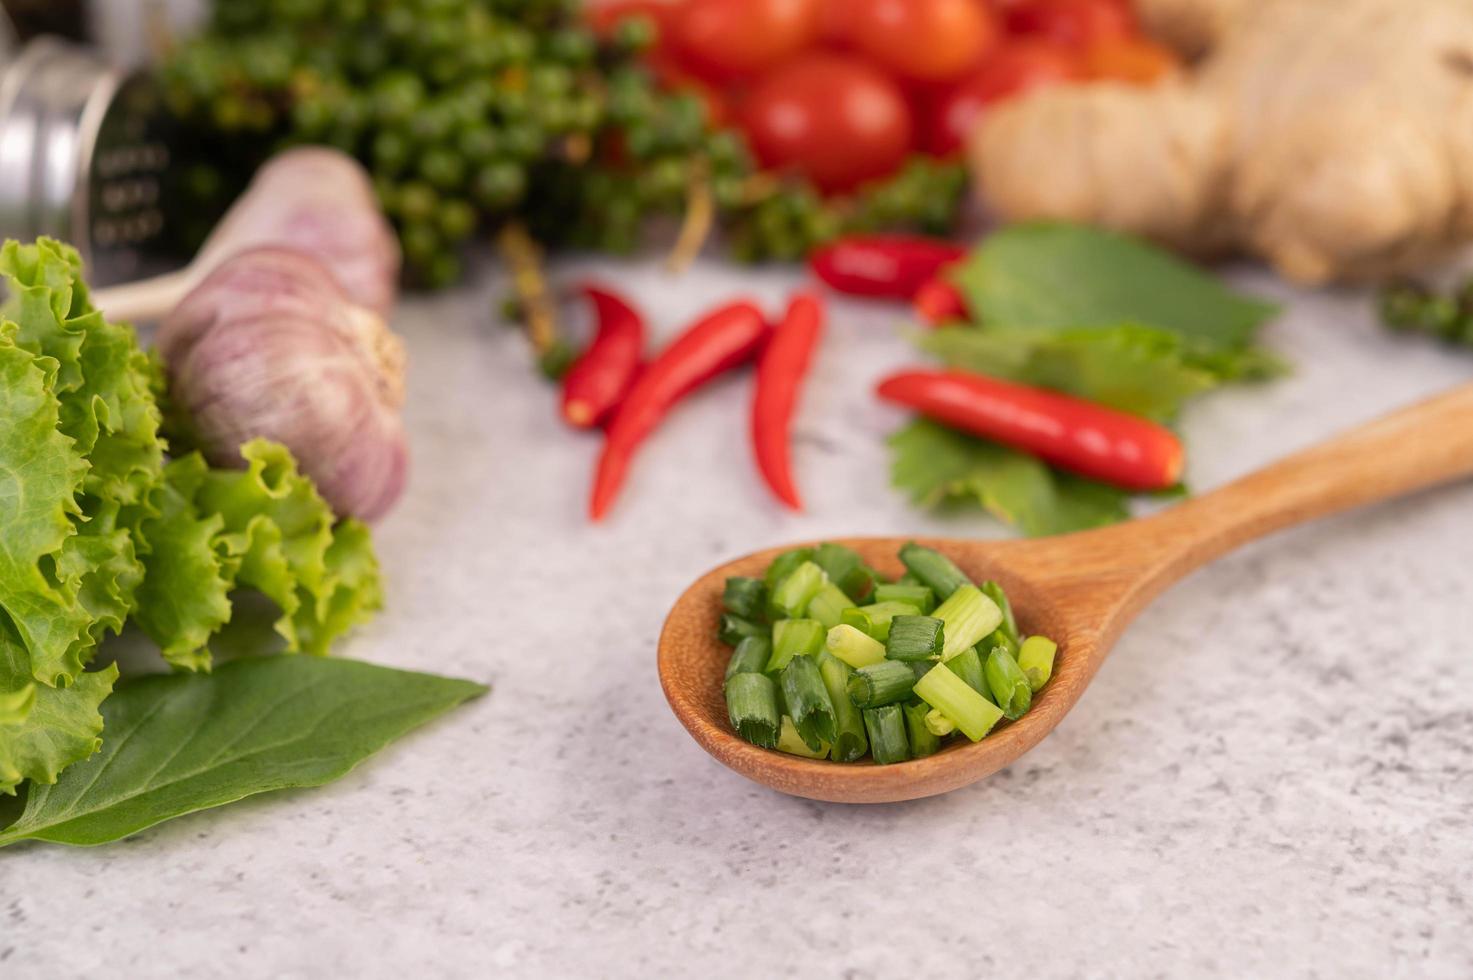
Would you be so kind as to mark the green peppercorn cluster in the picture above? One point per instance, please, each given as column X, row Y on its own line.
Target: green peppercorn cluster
column 1416, row 308
column 472, row 112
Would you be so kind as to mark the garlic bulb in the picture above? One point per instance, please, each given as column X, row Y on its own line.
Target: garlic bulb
column 319, row 201
column 268, row 344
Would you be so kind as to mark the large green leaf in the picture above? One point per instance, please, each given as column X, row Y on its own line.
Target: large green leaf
column 186, row 742
column 935, row 465
column 1051, row 276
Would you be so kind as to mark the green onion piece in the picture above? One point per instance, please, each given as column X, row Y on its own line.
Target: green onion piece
column 1036, row 660
column 923, row 741
column 999, row 638
column 915, row 595
column 1009, row 626
column 784, row 565
column 791, row 597
column 794, row 638
column 882, row 683
column 854, row 647
column 907, row 580
column 751, row 704
column 969, row 615
column 968, row 666
column 939, row 724
column 829, row 605
column 850, row 742
column 1009, row 684
column 962, row 706
column 745, row 597
column 914, row 638
column 750, row 657
column 874, row 619
column 886, row 728
column 734, row 629
column 845, row 568
column 933, row 569
column 789, row 741
column 807, row 701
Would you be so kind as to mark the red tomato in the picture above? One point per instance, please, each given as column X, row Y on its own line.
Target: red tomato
column 725, row 40
column 923, row 40
column 833, row 23
column 1138, row 60
column 1076, row 23
column 1018, row 67
column 831, row 117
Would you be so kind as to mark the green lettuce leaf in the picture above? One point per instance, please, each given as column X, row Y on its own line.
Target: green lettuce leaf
column 1052, row 276
column 44, row 729
column 186, row 742
column 935, row 466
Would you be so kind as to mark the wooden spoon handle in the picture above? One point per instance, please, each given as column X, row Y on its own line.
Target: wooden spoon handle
column 1412, row 449
column 1116, row 570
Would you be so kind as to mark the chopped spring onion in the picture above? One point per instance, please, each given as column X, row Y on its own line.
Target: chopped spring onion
column 915, row 595
column 751, row 705
column 853, row 647
column 784, row 565
column 807, row 701
column 750, row 657
column 886, row 728
column 1009, row 626
column 968, row 666
column 793, row 594
column 882, row 683
column 1036, row 660
column 939, row 724
column 923, row 741
column 745, row 597
column 815, row 675
column 829, row 605
column 874, row 619
column 933, row 569
column 969, row 616
column 1009, row 684
column 846, row 569
column 794, row 638
column 962, row 706
column 734, row 628
column 850, row 742
column 914, row 638
column 789, row 741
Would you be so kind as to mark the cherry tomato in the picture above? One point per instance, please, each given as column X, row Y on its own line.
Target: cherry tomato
column 833, row 23
column 1138, row 60
column 1017, row 68
column 923, row 40
column 832, row 117
column 1075, row 23
column 726, row 40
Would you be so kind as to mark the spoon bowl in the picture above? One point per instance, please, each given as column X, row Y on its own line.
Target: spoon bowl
column 1081, row 590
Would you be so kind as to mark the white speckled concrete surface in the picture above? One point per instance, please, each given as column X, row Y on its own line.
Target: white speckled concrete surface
column 1273, row 775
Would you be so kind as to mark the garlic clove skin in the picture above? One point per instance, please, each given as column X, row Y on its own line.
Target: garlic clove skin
column 268, row 344
column 320, row 201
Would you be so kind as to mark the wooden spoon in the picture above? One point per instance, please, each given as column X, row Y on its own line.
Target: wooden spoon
column 1080, row 589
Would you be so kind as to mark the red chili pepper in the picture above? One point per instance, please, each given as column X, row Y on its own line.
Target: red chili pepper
column 938, row 302
column 780, row 372
column 717, row 342
column 601, row 377
column 889, row 266
column 1073, row 434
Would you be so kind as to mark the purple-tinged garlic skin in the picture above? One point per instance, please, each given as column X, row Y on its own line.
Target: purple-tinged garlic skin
column 320, row 201
column 269, row 344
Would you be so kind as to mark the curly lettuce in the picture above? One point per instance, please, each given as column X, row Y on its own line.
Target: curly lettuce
column 99, row 527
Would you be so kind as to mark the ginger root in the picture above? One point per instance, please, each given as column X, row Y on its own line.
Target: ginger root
column 1332, row 137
